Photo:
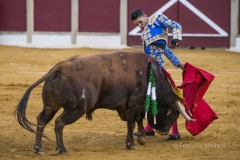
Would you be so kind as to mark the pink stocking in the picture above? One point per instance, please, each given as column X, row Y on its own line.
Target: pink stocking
column 174, row 129
column 148, row 128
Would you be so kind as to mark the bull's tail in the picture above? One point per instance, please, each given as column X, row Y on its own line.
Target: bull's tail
column 20, row 111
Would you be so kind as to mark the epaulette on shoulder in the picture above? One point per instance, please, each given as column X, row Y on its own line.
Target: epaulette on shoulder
column 161, row 16
column 152, row 19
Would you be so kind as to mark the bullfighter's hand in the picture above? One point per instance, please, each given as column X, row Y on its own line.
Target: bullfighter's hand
column 174, row 42
column 182, row 67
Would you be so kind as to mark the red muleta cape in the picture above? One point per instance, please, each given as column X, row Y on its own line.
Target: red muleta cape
column 195, row 84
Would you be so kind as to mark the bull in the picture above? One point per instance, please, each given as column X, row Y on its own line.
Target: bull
column 114, row 80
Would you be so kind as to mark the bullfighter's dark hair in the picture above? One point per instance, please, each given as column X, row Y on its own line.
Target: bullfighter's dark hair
column 136, row 13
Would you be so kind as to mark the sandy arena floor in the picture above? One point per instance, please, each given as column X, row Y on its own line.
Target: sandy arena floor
column 104, row 137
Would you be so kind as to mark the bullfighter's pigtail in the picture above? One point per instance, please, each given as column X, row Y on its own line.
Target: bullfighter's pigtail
column 151, row 92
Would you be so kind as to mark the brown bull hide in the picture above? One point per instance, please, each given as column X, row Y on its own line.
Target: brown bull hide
column 116, row 81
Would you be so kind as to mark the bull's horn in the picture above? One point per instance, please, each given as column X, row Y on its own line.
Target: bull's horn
column 183, row 113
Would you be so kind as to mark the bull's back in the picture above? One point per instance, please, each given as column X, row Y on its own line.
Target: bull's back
column 110, row 66
column 123, row 68
column 109, row 78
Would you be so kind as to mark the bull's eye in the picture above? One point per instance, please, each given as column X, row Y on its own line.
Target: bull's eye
column 169, row 112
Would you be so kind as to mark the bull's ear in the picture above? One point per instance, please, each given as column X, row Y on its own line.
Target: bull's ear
column 169, row 111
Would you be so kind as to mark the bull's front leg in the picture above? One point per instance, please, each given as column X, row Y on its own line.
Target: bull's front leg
column 131, row 120
column 141, row 137
column 129, row 139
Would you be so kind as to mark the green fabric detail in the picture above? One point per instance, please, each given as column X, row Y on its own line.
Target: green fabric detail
column 154, row 108
column 153, row 103
column 147, row 103
column 151, row 77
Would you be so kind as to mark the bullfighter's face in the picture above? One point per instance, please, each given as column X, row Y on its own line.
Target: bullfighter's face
column 141, row 21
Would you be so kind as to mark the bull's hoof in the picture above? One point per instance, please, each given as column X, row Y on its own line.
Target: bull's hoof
column 62, row 151
column 40, row 153
column 131, row 146
column 141, row 140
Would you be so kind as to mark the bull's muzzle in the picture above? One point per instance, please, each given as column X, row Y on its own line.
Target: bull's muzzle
column 161, row 133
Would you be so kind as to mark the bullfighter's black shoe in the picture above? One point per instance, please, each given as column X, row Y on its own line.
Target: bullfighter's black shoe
column 150, row 133
column 135, row 133
column 170, row 137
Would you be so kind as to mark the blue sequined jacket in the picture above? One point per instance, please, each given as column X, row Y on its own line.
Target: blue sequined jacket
column 155, row 34
column 157, row 28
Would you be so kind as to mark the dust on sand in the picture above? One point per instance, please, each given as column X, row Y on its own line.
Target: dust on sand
column 104, row 137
